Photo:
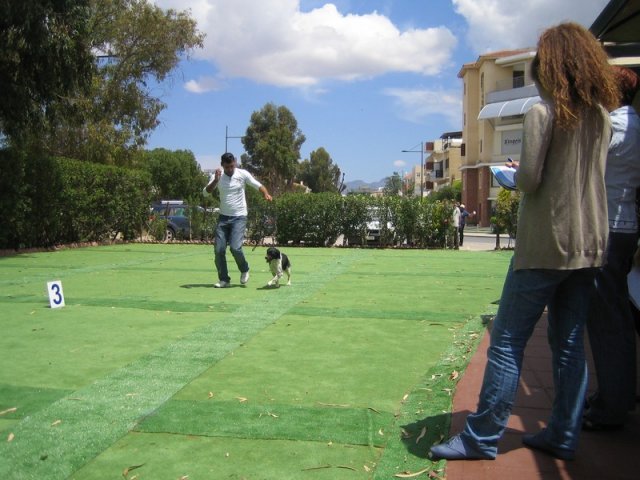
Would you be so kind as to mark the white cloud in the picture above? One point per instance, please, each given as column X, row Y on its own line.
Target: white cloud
column 509, row 24
column 274, row 42
column 415, row 105
column 203, row 85
column 399, row 164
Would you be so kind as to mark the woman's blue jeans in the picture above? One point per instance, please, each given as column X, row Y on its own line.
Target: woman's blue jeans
column 525, row 295
column 230, row 231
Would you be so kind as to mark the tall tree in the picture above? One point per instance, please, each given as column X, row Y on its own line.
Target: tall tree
column 319, row 173
column 272, row 143
column 45, row 55
column 174, row 175
column 393, row 184
column 137, row 46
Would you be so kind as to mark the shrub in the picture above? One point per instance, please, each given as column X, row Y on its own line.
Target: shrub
column 157, row 228
column 311, row 219
column 103, row 201
column 47, row 201
column 353, row 217
column 506, row 213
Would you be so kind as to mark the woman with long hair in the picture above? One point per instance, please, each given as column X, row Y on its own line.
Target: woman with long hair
column 562, row 235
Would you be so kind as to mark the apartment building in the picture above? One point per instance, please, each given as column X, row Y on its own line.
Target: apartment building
column 443, row 164
column 497, row 91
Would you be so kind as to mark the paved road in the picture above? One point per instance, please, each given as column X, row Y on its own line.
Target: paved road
column 484, row 241
column 476, row 240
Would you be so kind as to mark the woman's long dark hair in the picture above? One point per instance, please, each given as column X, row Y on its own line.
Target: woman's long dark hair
column 573, row 68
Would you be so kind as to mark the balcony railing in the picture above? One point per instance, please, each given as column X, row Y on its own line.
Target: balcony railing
column 512, row 94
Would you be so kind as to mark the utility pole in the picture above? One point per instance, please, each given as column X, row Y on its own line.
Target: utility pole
column 421, row 166
column 227, row 137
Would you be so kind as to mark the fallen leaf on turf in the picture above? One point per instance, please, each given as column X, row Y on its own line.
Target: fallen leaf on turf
column 57, row 422
column 342, row 405
column 316, row 468
column 406, row 395
column 9, row 410
column 126, row 471
column 366, row 469
column 241, row 399
column 455, row 374
column 380, row 432
column 211, row 394
column 321, row 467
column 11, row 437
column 184, row 477
column 410, row 474
column 423, row 432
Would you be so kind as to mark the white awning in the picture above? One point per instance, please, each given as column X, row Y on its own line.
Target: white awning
column 519, row 106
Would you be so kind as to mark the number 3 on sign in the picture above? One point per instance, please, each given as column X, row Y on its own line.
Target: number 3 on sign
column 56, row 297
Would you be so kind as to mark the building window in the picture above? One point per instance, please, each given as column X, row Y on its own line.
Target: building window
column 518, row 78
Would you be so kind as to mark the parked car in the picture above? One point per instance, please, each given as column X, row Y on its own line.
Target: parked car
column 176, row 213
column 374, row 225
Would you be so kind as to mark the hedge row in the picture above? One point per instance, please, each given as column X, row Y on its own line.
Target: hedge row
column 50, row 201
column 319, row 219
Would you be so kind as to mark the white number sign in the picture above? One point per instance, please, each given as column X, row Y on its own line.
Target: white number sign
column 56, row 297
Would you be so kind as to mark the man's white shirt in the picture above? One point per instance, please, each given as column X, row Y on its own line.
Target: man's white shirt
column 233, row 202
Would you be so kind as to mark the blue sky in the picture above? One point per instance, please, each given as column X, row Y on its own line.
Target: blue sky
column 365, row 79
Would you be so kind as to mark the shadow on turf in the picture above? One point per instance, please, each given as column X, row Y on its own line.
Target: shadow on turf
column 417, row 442
column 207, row 285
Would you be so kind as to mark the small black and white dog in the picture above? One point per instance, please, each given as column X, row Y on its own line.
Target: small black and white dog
column 278, row 264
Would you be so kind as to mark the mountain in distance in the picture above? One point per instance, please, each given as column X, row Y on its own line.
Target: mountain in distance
column 362, row 185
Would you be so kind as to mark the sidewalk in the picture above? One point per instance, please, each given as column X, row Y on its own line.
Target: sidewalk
column 611, row 455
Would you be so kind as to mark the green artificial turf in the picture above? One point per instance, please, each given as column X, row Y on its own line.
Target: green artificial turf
column 166, row 456
column 147, row 360
column 237, row 419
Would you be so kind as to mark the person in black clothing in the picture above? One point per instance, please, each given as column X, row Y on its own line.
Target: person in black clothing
column 463, row 220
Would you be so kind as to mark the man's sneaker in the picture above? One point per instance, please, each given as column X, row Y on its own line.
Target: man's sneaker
column 244, row 277
column 222, row 284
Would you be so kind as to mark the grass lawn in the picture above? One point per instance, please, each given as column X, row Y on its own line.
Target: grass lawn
column 149, row 372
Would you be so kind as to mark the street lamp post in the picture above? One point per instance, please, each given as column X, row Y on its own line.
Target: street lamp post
column 227, row 137
column 421, row 165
